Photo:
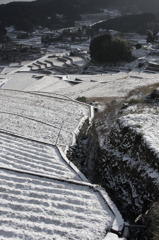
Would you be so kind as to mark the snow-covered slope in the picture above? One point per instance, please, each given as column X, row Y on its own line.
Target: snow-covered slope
column 31, row 156
column 41, row 208
column 44, row 75
column 43, row 195
column 52, row 120
column 20, row 81
column 129, row 156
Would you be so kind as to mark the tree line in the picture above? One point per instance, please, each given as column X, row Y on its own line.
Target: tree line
column 43, row 13
column 138, row 23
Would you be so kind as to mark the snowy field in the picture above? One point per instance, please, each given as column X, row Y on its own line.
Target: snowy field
column 41, row 208
column 103, row 85
column 31, row 156
column 116, row 81
column 53, row 120
column 43, row 196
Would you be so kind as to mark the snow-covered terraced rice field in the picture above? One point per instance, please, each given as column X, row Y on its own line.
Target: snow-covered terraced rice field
column 14, row 65
column 34, row 67
column 56, row 62
column 42, row 83
column 101, row 85
column 31, row 156
column 39, row 208
column 98, row 77
column 25, row 63
column 48, row 64
column 7, row 70
column 48, row 84
column 78, row 61
column 108, row 86
column 69, row 61
column 19, row 81
column 59, row 86
column 29, row 128
column 93, row 85
column 44, row 118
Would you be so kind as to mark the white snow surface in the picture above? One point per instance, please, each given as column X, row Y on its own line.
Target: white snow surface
column 140, row 52
column 20, row 81
column 101, row 85
column 116, row 81
column 112, row 236
column 25, row 155
column 40, row 208
column 144, row 121
column 147, row 125
column 104, row 85
column 44, row 118
column 55, row 204
column 43, row 196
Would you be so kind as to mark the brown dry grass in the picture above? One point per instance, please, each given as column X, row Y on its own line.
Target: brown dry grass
column 102, row 99
column 144, row 90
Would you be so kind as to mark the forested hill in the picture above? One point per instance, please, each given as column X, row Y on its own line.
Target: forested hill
column 42, row 9
column 37, row 12
column 133, row 6
column 138, row 23
column 128, row 5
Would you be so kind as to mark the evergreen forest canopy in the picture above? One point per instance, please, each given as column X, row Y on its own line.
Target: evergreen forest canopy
column 27, row 15
column 138, row 23
column 37, row 12
column 104, row 48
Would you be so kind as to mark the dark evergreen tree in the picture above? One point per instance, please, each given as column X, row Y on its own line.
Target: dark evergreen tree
column 98, row 44
column 105, row 49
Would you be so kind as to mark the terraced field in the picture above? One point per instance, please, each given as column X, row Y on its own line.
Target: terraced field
column 48, row 119
column 43, row 195
column 69, row 75
column 31, row 156
column 40, row 208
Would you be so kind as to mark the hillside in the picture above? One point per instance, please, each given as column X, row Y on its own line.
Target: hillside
column 43, row 13
column 128, row 154
column 73, row 131
column 137, row 23
column 42, row 192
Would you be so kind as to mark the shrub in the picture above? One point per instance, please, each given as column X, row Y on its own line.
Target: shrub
column 105, row 49
column 82, row 99
column 134, row 101
column 153, row 96
column 138, row 46
column 140, row 65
